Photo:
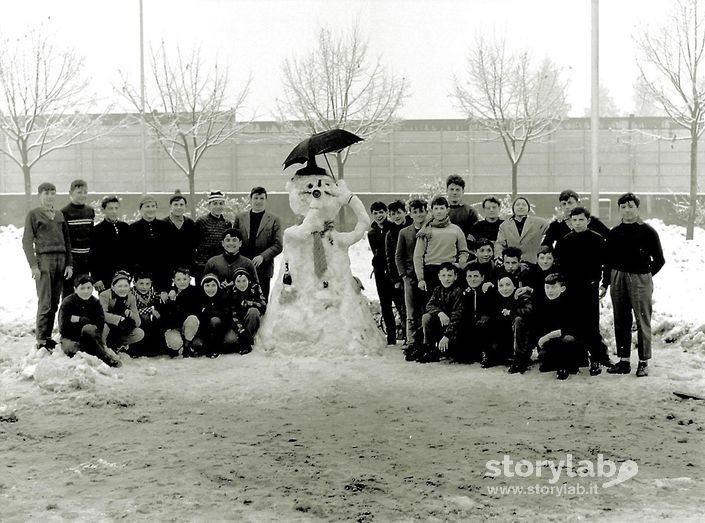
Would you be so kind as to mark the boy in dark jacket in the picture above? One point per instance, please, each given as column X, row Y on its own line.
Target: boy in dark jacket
column 47, row 247
column 219, row 329
column 385, row 289
column 473, row 335
column 483, row 250
column 179, row 314
column 398, row 219
column 559, row 348
column 414, row 298
column 442, row 318
column 210, row 231
column 79, row 218
column 122, row 319
column 148, row 244
column 81, row 321
column 509, row 322
column 110, row 245
column 248, row 306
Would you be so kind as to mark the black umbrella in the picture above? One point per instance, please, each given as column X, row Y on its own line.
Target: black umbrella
column 320, row 143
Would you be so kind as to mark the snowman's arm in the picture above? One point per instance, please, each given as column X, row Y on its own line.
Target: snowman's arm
column 363, row 223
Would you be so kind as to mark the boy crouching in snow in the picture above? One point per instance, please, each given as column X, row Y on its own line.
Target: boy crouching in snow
column 558, row 348
column 248, row 307
column 179, row 314
column 219, row 330
column 510, row 337
column 440, row 322
column 122, row 319
column 474, row 331
column 81, row 321
column 147, row 301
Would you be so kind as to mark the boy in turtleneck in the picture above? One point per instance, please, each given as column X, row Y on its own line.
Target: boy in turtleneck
column 461, row 214
column 110, row 245
column 79, row 217
column 224, row 265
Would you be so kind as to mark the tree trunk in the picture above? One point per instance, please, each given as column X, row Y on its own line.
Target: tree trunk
column 27, row 186
column 192, row 193
column 693, row 184
column 515, row 168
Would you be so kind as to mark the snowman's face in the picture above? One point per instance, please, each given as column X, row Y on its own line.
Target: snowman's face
column 314, row 192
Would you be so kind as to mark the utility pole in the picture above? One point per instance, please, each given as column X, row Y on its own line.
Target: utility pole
column 144, row 126
column 595, row 111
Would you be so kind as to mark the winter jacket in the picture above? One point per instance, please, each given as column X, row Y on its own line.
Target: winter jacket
column 224, row 267
column 114, row 307
column 475, row 305
column 251, row 297
column 89, row 312
column 210, row 237
column 44, row 235
column 522, row 306
column 145, row 302
column 528, row 241
column 634, row 248
column 404, row 255
column 149, row 247
column 376, row 237
column 552, row 315
column 448, row 300
column 175, row 311
column 110, row 250
column 218, row 306
column 558, row 229
column 268, row 240
column 581, row 256
column 180, row 243
column 485, row 229
column 390, row 248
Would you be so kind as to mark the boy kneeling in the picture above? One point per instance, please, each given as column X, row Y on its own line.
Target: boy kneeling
column 122, row 318
column 558, row 347
column 81, row 321
column 218, row 332
column 440, row 322
column 475, row 316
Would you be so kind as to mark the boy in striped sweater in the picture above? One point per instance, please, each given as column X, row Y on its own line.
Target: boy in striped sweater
column 79, row 218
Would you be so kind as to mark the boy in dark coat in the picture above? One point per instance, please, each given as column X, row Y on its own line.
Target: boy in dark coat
column 414, row 298
column 441, row 321
column 476, row 309
column 181, row 234
column 148, row 244
column 248, row 306
column 122, row 319
column 219, row 329
column 488, row 227
column 179, row 314
column 509, row 323
column 559, row 348
column 398, row 219
column 385, row 288
column 81, row 322
column 47, row 247
column 582, row 253
column 557, row 229
column 110, row 245
column 211, row 229
column 79, row 218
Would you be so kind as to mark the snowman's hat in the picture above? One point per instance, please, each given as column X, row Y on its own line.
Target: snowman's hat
column 312, row 169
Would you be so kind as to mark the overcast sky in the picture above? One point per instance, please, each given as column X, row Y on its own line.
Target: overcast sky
column 426, row 41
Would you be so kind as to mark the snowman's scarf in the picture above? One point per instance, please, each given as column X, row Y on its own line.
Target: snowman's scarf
column 320, row 265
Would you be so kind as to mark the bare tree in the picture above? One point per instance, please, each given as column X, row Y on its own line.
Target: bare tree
column 338, row 86
column 505, row 94
column 671, row 72
column 43, row 102
column 191, row 109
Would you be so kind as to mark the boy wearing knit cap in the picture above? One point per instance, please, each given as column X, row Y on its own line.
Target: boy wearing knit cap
column 219, row 329
column 81, row 321
column 122, row 319
column 248, row 306
column 210, row 228
column 148, row 304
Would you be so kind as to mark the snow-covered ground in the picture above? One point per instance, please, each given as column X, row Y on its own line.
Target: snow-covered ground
column 271, row 438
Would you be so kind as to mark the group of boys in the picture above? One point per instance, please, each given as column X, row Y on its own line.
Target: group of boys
column 462, row 302
column 144, row 275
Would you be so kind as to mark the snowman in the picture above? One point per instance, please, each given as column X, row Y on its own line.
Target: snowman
column 316, row 306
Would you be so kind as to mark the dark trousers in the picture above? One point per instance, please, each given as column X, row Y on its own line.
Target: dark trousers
column 90, row 342
column 385, row 291
column 565, row 352
column 433, row 331
column 414, row 301
column 430, row 276
column 215, row 337
column 473, row 341
column 632, row 292
column 81, row 265
column 400, row 305
column 510, row 341
column 49, row 286
column 264, row 283
column 584, row 299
